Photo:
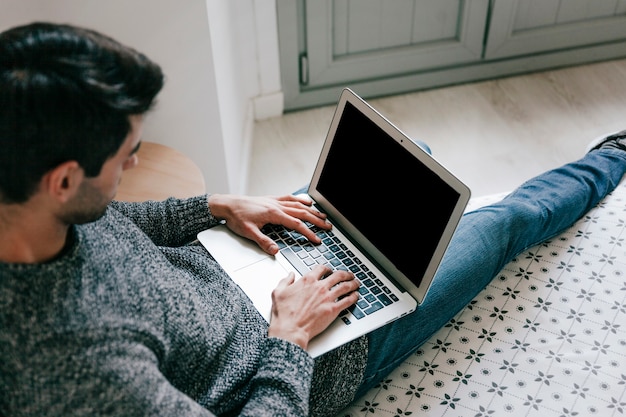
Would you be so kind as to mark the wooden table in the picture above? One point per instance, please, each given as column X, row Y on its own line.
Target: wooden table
column 162, row 172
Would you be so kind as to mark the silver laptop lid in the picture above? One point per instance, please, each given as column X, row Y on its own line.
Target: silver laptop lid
column 391, row 197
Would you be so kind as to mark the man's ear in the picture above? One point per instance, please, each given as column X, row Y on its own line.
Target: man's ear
column 63, row 181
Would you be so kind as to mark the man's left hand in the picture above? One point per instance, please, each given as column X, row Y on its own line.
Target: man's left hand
column 246, row 216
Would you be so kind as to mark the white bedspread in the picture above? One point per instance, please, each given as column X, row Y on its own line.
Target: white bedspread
column 546, row 338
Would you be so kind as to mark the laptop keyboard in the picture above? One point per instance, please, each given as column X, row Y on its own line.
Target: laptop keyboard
column 332, row 252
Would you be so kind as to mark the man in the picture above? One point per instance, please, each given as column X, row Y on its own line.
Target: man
column 105, row 307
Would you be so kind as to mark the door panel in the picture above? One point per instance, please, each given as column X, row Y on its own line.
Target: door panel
column 372, row 26
column 356, row 40
column 522, row 27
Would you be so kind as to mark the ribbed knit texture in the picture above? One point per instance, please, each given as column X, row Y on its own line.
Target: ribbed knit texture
column 131, row 320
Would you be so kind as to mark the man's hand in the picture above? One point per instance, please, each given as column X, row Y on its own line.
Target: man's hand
column 247, row 215
column 302, row 309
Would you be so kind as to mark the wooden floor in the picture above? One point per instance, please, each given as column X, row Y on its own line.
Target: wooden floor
column 493, row 135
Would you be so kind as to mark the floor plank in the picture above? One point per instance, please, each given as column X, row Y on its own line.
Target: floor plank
column 493, row 134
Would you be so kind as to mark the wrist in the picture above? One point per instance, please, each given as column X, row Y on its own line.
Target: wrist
column 219, row 206
column 297, row 337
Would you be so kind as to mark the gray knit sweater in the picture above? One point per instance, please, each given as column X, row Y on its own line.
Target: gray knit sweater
column 131, row 320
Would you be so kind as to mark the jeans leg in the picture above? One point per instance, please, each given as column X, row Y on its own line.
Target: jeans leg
column 485, row 241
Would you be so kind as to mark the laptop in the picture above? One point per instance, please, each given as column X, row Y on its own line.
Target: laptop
column 393, row 207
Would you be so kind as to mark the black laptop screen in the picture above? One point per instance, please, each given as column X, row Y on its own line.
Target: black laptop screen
column 396, row 201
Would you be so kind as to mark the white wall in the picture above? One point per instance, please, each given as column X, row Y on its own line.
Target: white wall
column 209, row 51
column 269, row 101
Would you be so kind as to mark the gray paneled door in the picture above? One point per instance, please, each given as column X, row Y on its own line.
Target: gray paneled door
column 380, row 47
column 520, row 27
column 368, row 39
column 366, row 42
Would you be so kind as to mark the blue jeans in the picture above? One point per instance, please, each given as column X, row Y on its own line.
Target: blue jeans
column 485, row 241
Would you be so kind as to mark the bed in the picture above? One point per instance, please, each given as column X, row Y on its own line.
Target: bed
column 547, row 336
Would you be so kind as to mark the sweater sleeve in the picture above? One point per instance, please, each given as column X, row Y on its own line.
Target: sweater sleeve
column 172, row 222
column 124, row 378
column 282, row 384
column 111, row 380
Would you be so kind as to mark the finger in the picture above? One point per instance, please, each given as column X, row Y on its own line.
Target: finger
column 301, row 198
column 296, row 219
column 319, row 272
column 302, row 228
column 287, row 281
column 346, row 301
column 304, row 199
column 315, row 217
column 300, row 207
column 306, row 213
column 279, row 291
column 265, row 242
column 345, row 287
column 340, row 276
column 308, row 234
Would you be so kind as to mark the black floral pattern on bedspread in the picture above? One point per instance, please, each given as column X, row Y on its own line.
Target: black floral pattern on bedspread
column 546, row 338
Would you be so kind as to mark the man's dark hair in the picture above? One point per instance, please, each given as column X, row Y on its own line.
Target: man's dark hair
column 66, row 94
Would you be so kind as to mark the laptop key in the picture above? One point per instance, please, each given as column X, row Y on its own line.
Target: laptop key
column 295, row 261
column 335, row 262
column 374, row 307
column 384, row 299
column 356, row 312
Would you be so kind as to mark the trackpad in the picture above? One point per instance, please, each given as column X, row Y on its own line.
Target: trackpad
column 256, row 272
column 230, row 250
column 258, row 281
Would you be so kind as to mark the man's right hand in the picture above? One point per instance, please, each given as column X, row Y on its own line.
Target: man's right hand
column 302, row 309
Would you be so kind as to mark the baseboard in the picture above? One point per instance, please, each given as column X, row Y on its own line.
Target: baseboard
column 268, row 105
